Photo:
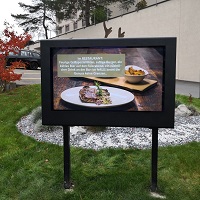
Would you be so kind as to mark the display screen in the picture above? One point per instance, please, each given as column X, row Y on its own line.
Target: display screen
column 115, row 82
column 116, row 78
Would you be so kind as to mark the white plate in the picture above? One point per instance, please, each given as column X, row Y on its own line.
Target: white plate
column 118, row 97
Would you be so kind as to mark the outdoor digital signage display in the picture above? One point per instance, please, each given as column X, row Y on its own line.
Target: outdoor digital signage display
column 109, row 82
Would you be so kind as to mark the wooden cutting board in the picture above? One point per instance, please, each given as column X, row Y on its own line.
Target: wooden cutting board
column 121, row 82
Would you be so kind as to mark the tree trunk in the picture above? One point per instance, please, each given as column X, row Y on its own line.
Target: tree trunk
column 46, row 32
column 43, row 22
column 2, row 86
column 87, row 13
column 7, row 86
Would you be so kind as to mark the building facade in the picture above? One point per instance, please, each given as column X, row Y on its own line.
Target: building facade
column 172, row 18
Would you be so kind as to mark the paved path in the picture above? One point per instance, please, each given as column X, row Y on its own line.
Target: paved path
column 29, row 76
column 187, row 88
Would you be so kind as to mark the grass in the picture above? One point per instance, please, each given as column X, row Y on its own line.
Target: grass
column 34, row 170
column 195, row 102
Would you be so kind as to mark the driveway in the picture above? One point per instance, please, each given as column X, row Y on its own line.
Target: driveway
column 29, row 76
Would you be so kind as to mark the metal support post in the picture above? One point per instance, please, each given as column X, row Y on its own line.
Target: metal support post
column 67, row 165
column 154, row 160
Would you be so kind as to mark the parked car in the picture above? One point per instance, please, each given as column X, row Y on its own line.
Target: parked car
column 30, row 58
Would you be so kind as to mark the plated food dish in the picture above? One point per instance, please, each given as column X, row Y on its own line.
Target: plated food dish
column 85, row 96
column 94, row 95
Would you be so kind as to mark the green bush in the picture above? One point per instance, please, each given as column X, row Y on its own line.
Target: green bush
column 177, row 103
column 95, row 128
column 37, row 120
column 36, row 114
column 193, row 110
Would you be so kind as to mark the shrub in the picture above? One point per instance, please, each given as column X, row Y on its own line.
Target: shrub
column 177, row 103
column 95, row 128
column 193, row 110
column 37, row 120
column 10, row 42
column 36, row 114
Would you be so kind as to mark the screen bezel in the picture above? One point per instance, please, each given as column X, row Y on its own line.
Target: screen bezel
column 162, row 119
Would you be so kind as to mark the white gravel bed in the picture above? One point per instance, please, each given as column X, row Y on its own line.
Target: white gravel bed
column 187, row 129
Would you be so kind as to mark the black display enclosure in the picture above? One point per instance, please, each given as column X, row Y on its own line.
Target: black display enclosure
column 151, row 107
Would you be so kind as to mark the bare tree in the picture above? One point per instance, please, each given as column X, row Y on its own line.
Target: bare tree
column 36, row 16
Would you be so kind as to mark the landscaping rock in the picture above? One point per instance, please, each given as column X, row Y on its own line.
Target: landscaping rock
column 182, row 111
column 186, row 129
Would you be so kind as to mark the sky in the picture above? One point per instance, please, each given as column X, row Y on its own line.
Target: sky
column 8, row 7
column 11, row 6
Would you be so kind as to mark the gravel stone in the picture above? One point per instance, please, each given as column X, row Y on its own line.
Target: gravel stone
column 187, row 129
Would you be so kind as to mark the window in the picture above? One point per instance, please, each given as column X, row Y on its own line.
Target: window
column 25, row 53
column 83, row 23
column 36, row 54
column 11, row 53
column 75, row 25
column 59, row 30
column 67, row 28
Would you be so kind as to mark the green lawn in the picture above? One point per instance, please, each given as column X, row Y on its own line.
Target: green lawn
column 195, row 102
column 34, row 170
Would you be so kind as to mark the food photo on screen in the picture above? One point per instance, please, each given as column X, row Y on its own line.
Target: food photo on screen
column 109, row 78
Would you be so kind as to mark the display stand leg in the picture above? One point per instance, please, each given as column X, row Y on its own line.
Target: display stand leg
column 67, row 165
column 154, row 160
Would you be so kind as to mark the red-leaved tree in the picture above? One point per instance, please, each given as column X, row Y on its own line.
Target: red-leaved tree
column 10, row 42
